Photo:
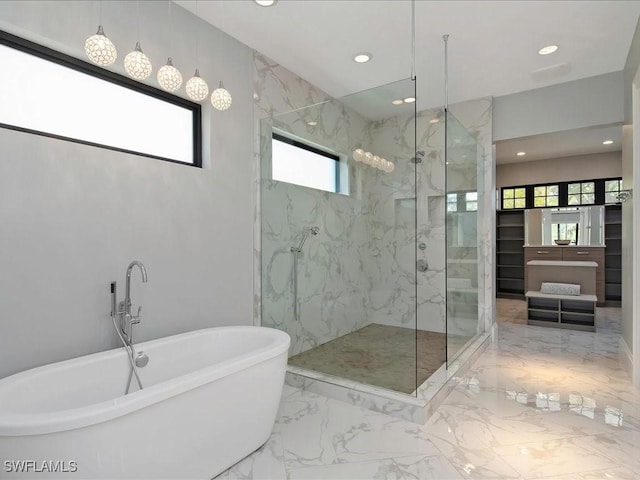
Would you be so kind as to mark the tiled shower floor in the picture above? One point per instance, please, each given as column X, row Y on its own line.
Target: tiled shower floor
column 379, row 355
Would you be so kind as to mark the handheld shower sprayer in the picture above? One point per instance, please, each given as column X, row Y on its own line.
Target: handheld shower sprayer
column 312, row 231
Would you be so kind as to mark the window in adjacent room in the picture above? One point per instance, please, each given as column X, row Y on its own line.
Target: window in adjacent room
column 514, row 198
column 545, row 196
column 612, row 190
column 583, row 193
column 302, row 163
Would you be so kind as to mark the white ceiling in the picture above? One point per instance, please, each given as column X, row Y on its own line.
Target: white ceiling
column 493, row 49
column 492, row 46
column 582, row 141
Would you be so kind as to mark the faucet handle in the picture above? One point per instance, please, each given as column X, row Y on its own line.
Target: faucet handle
column 136, row 318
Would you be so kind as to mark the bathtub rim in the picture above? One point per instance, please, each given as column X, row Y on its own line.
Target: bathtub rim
column 13, row 424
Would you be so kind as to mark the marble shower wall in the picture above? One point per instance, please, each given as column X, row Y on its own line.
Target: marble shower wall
column 331, row 277
column 360, row 269
column 469, row 166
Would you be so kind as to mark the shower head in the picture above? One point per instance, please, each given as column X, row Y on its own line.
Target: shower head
column 312, row 231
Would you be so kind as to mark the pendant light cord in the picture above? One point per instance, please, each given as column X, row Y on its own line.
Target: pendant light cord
column 413, row 39
column 446, row 71
column 197, row 33
column 138, row 19
column 170, row 28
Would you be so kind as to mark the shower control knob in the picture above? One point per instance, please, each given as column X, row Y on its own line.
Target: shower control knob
column 423, row 265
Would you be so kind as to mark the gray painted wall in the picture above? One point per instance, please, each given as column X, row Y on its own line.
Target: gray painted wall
column 630, row 176
column 631, row 67
column 74, row 216
column 566, row 169
column 627, row 238
column 566, row 106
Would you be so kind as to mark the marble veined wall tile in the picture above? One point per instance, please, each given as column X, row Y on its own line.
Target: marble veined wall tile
column 361, row 268
column 331, row 282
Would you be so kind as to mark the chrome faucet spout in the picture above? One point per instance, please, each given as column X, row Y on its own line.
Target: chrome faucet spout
column 127, row 293
column 123, row 320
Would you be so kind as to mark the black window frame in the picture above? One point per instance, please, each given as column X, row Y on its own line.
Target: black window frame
column 318, row 151
column 581, row 193
column 48, row 54
column 527, row 194
column 546, row 196
column 563, row 194
column 604, row 190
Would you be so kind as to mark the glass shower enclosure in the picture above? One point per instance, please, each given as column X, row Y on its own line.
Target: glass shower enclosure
column 358, row 236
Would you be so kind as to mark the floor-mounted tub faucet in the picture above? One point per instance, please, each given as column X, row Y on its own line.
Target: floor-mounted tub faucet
column 123, row 322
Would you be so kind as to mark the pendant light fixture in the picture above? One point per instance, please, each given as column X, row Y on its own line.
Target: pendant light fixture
column 221, row 98
column 136, row 63
column 169, row 77
column 98, row 48
column 197, row 89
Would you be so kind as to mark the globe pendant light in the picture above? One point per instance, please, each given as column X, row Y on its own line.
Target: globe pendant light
column 221, row 98
column 197, row 89
column 98, row 48
column 169, row 77
column 136, row 63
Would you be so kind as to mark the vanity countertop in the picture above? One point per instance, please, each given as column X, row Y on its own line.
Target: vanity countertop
column 564, row 246
column 561, row 263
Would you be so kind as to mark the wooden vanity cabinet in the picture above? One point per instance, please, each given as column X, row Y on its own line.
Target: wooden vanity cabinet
column 569, row 253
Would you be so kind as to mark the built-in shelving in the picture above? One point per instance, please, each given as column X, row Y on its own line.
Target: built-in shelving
column 613, row 253
column 510, row 253
column 561, row 311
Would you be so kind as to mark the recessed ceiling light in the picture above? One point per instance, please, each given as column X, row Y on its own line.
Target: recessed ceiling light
column 607, row 142
column 434, row 120
column 362, row 57
column 312, row 123
column 398, row 102
column 548, row 49
column 409, row 100
column 266, row 3
column 520, row 154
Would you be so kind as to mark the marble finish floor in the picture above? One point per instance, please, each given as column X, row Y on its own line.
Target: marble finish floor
column 379, row 355
column 539, row 403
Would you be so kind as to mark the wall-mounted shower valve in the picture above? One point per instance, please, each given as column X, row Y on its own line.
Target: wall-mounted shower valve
column 423, row 265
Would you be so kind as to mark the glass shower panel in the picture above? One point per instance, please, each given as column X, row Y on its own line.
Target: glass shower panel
column 338, row 264
column 464, row 180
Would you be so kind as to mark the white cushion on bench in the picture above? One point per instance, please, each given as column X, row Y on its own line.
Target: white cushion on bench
column 560, row 288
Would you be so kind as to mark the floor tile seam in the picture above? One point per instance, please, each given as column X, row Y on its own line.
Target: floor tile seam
column 360, row 462
column 422, row 458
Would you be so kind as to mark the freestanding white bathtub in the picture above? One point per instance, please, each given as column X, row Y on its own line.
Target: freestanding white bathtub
column 210, row 398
